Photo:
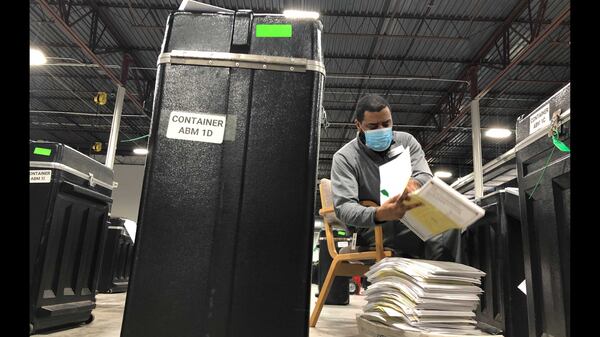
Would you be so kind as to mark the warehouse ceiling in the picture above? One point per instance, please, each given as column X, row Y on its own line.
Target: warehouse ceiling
column 427, row 58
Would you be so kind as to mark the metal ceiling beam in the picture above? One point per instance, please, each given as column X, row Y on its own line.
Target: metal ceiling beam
column 122, row 43
column 100, row 128
column 444, row 93
column 342, row 56
column 480, row 54
column 327, row 56
column 433, row 17
column 83, row 114
column 391, row 37
column 50, row 91
column 47, row 104
column 382, row 27
column 104, row 50
column 524, row 53
column 331, row 13
column 94, row 76
column 483, row 51
column 62, row 25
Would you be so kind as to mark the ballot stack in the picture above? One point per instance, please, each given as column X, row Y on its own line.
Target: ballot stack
column 422, row 298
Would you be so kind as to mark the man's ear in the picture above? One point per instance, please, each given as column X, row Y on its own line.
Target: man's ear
column 357, row 123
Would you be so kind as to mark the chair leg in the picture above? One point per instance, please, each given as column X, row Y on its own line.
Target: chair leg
column 324, row 292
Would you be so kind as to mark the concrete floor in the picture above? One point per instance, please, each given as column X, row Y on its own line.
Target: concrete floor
column 335, row 320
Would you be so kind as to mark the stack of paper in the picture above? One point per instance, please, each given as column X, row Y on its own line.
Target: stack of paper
column 424, row 296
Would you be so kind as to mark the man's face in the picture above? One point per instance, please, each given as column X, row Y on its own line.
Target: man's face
column 375, row 120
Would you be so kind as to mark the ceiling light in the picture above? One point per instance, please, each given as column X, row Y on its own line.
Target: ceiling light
column 140, row 151
column 294, row 14
column 443, row 174
column 497, row 133
column 36, row 57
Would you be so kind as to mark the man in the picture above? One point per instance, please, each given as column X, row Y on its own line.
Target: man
column 355, row 178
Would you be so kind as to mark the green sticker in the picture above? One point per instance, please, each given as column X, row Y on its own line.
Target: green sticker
column 341, row 232
column 42, row 151
column 274, row 30
column 384, row 192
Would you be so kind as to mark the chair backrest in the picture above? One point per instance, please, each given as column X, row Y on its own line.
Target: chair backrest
column 327, row 212
column 326, row 194
column 327, row 205
column 330, row 220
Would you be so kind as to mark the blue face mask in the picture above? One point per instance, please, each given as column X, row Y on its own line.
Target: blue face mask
column 379, row 139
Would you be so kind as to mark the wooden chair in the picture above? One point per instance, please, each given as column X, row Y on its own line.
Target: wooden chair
column 342, row 264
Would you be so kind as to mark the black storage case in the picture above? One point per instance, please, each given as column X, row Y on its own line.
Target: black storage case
column 339, row 293
column 224, row 239
column 69, row 200
column 546, row 219
column 117, row 260
column 494, row 245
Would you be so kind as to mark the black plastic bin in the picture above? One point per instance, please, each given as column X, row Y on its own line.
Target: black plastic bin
column 494, row 245
column 69, row 200
column 546, row 218
column 117, row 260
column 339, row 293
column 224, row 239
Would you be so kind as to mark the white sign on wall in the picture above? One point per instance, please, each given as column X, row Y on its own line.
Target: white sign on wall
column 539, row 119
column 40, row 176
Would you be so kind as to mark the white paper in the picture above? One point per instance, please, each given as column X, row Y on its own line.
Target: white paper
column 523, row 287
column 394, row 176
column 131, row 228
column 196, row 6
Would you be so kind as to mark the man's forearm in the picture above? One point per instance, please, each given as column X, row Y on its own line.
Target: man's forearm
column 356, row 215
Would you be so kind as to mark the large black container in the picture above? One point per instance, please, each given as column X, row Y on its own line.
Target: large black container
column 117, row 260
column 546, row 219
column 494, row 245
column 69, row 199
column 223, row 245
column 339, row 293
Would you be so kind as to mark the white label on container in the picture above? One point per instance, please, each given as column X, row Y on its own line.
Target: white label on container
column 522, row 287
column 196, row 127
column 40, row 176
column 539, row 119
column 342, row 244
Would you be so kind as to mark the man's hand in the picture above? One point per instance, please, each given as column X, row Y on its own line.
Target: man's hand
column 412, row 185
column 394, row 208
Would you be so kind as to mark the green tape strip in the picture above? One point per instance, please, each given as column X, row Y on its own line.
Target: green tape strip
column 384, row 192
column 42, row 151
column 274, row 30
column 341, row 232
column 560, row 145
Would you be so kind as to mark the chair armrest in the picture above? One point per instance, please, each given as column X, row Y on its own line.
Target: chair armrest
column 323, row 211
column 379, row 242
column 378, row 231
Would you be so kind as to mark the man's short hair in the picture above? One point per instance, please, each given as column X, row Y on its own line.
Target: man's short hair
column 373, row 103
